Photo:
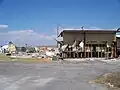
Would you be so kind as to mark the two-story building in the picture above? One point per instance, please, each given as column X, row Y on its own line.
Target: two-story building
column 88, row 43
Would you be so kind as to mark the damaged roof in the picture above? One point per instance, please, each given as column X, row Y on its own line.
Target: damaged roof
column 88, row 30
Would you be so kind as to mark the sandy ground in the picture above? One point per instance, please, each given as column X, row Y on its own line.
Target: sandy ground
column 53, row 76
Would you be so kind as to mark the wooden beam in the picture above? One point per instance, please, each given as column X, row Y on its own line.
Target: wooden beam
column 101, row 50
column 98, row 49
column 81, row 54
column 84, row 45
column 78, row 55
column 88, row 49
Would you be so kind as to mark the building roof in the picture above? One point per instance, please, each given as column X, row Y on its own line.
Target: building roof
column 79, row 29
column 89, row 30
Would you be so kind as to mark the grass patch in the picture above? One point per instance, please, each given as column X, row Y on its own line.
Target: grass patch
column 110, row 79
column 54, row 58
column 3, row 57
column 31, row 60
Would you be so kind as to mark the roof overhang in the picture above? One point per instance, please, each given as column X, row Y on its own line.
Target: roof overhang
column 89, row 30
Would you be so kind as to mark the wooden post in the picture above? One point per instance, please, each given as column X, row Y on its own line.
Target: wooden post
column 112, row 50
column 57, row 33
column 74, row 54
column 84, row 45
column 81, row 54
column 88, row 50
column 115, row 46
column 101, row 50
column 98, row 49
column 91, row 49
column 69, row 55
column 106, row 49
column 63, row 55
column 98, row 52
column 77, row 54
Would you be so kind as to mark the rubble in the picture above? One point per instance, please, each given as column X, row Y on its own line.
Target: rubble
column 109, row 79
column 48, row 54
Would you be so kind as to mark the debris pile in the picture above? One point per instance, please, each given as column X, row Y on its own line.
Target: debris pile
column 43, row 53
column 110, row 79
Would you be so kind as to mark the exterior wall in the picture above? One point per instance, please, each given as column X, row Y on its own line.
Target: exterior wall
column 68, row 37
column 109, row 37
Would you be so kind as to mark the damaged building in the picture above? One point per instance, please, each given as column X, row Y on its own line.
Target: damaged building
column 87, row 43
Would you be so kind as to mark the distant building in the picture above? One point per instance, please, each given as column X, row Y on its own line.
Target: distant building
column 30, row 49
column 4, row 48
column 11, row 48
column 21, row 49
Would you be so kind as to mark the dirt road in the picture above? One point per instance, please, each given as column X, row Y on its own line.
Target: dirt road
column 52, row 76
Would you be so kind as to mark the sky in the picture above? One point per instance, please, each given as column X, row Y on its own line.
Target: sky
column 34, row 22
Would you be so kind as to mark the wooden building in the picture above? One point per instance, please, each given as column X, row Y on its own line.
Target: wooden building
column 95, row 43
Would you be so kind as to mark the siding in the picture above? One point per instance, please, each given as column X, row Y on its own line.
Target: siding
column 69, row 37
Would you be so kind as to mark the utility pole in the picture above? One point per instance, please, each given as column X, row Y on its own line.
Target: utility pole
column 57, row 33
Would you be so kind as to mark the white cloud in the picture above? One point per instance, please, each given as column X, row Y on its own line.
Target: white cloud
column 29, row 37
column 97, row 28
column 94, row 28
column 3, row 26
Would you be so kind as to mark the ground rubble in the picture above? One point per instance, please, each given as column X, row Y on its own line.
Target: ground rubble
column 111, row 80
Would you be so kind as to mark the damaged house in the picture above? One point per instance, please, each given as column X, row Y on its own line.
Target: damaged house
column 11, row 48
column 87, row 43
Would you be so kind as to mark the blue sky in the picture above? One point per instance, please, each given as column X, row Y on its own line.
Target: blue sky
column 42, row 16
